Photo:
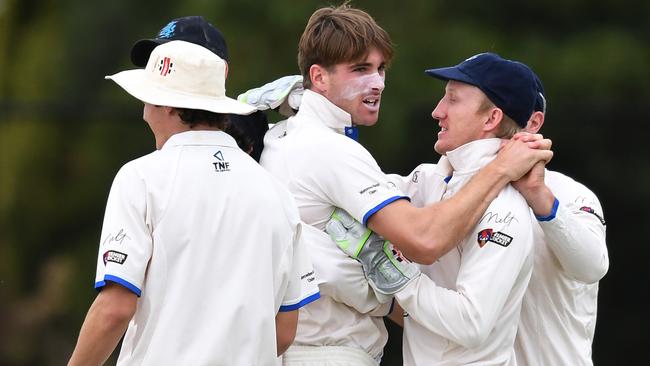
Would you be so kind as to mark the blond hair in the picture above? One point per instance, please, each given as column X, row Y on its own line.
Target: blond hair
column 507, row 127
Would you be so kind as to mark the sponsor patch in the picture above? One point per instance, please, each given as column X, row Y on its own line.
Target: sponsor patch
column 593, row 212
column 483, row 237
column 371, row 189
column 115, row 257
column 502, row 239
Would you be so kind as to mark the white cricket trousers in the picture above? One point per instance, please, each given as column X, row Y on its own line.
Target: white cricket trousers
column 326, row 356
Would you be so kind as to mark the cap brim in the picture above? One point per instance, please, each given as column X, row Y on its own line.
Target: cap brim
column 134, row 83
column 142, row 49
column 450, row 73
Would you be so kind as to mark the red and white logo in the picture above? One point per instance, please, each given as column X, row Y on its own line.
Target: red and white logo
column 165, row 66
column 484, row 236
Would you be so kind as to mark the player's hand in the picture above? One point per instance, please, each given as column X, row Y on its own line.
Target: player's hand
column 534, row 189
column 283, row 94
column 518, row 155
column 385, row 268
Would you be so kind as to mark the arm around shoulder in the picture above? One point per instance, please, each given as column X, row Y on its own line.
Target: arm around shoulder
column 425, row 234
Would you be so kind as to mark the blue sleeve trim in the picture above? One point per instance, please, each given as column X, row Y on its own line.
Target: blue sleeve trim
column 99, row 285
column 550, row 217
column 303, row 302
column 447, row 179
column 382, row 205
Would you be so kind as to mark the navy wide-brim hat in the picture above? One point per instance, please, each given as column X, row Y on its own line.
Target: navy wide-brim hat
column 510, row 85
column 193, row 29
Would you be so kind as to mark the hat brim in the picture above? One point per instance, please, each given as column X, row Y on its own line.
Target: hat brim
column 134, row 83
column 141, row 50
column 451, row 73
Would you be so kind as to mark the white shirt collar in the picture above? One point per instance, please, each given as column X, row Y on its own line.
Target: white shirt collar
column 315, row 107
column 200, row 137
column 473, row 155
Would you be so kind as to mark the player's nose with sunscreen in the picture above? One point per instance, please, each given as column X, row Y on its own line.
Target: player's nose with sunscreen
column 363, row 85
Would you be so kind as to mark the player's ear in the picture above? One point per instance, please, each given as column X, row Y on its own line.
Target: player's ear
column 535, row 122
column 319, row 78
column 494, row 118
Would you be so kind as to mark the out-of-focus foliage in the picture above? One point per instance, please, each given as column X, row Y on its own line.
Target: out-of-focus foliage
column 64, row 130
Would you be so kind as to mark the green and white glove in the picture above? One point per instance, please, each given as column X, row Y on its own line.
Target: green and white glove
column 385, row 268
column 283, row 94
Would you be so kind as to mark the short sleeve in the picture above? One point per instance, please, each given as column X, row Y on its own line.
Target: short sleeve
column 126, row 243
column 349, row 177
column 302, row 288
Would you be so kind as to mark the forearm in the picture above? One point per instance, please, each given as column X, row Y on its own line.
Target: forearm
column 578, row 242
column 451, row 220
column 425, row 234
column 285, row 329
column 99, row 335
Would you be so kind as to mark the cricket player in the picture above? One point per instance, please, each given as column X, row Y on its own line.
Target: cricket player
column 558, row 316
column 248, row 130
column 343, row 55
column 201, row 259
column 465, row 308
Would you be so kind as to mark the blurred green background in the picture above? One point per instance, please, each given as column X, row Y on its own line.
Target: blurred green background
column 65, row 131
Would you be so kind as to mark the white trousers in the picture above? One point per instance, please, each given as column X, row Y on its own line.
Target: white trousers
column 326, row 356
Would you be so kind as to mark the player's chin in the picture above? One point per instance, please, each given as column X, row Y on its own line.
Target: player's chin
column 366, row 119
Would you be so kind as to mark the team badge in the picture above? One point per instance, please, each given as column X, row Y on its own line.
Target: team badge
column 115, row 257
column 484, row 236
column 593, row 212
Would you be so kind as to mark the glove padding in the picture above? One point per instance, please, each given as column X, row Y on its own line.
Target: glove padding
column 283, row 94
column 385, row 268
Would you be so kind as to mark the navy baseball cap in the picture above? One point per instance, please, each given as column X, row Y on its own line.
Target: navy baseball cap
column 510, row 85
column 193, row 29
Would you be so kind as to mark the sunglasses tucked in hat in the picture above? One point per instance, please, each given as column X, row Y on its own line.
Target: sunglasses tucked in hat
column 510, row 85
column 540, row 99
column 193, row 29
column 183, row 75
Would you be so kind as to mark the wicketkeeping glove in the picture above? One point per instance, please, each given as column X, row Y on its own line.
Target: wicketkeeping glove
column 385, row 268
column 283, row 94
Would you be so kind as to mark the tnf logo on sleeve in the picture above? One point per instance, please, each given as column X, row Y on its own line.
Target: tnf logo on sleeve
column 221, row 165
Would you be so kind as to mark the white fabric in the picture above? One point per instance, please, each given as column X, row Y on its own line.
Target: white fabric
column 465, row 310
column 184, row 75
column 326, row 356
column 211, row 243
column 558, row 316
column 324, row 169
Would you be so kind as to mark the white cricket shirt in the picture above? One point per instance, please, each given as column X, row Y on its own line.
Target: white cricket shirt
column 325, row 169
column 558, row 316
column 465, row 309
column 210, row 243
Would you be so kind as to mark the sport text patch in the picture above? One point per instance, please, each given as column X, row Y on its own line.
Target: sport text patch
column 495, row 237
column 115, row 257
